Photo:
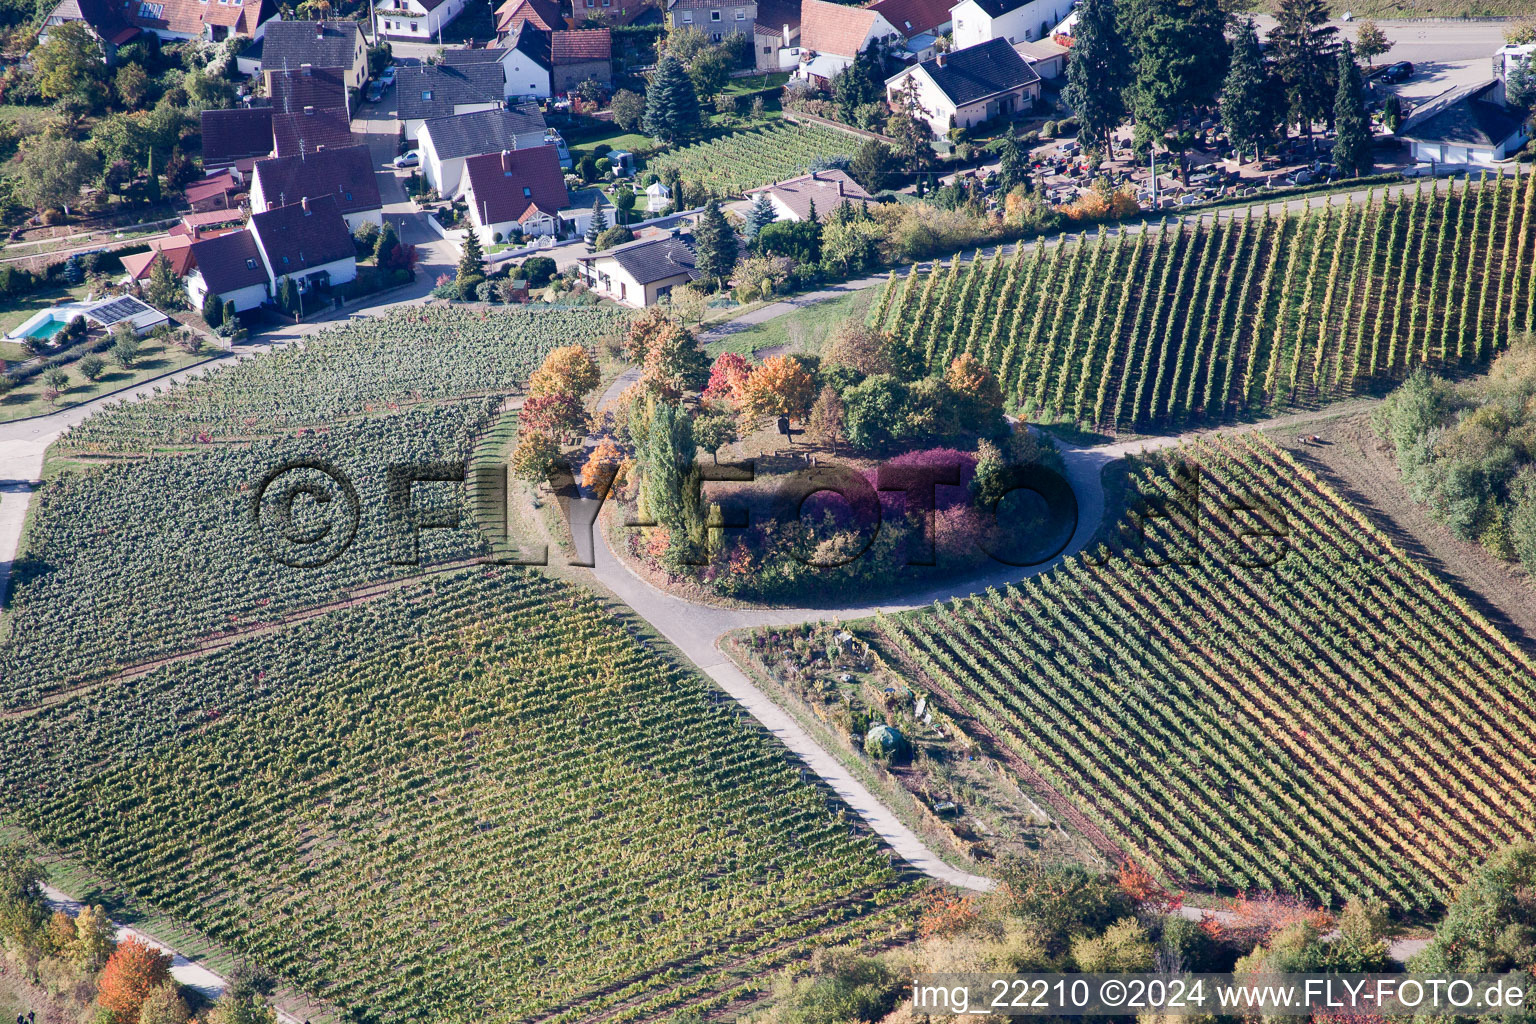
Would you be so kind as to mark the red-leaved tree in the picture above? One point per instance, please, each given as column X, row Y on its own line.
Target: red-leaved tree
column 128, row 977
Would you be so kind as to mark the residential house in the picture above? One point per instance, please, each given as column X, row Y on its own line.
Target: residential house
column 311, row 129
column 446, row 142
column 208, row 223
column 442, row 90
column 715, row 18
column 1507, row 56
column 776, row 35
column 831, row 35
column 420, row 20
column 524, row 61
column 107, row 21
column 171, row 20
column 236, row 138
column 307, row 241
column 230, row 266
column 976, row 21
column 617, row 13
column 969, row 86
column 915, row 19
column 345, row 176
column 1046, row 56
column 543, row 15
column 289, row 45
column 177, row 249
column 215, row 192
column 823, row 191
column 642, row 273
column 515, row 191
column 1467, row 126
column 581, row 55
column 308, row 86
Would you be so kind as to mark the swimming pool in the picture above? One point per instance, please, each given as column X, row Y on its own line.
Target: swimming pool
column 47, row 329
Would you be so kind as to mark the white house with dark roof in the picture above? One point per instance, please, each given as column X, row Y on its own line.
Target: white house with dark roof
column 446, row 142
column 640, row 274
column 524, row 60
column 1467, row 126
column 307, row 241
column 419, row 20
column 969, row 86
column 442, row 90
column 976, row 21
column 345, row 175
column 289, row 45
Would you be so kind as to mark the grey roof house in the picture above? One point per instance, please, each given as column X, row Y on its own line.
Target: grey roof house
column 440, row 90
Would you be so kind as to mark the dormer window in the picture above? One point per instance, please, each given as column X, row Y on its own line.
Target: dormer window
column 527, row 192
column 250, row 264
column 426, row 94
column 285, row 261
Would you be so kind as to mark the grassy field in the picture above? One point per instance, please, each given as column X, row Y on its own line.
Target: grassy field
column 804, row 330
column 155, row 359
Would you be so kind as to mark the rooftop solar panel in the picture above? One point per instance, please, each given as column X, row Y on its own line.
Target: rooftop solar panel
column 124, row 308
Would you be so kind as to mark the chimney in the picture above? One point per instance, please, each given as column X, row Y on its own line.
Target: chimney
column 940, row 58
column 319, row 30
column 304, row 204
column 309, row 111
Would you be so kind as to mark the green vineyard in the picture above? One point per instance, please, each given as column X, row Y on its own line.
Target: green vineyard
column 729, row 165
column 1238, row 316
column 477, row 798
column 1268, row 695
column 143, row 558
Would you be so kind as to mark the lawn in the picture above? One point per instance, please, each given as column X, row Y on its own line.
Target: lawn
column 740, row 86
column 801, row 331
column 155, row 358
column 14, row 312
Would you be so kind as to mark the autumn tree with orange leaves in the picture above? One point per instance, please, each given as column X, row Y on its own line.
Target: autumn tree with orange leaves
column 780, row 387
column 129, row 976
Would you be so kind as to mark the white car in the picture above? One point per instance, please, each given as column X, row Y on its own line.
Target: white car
column 411, row 159
column 387, row 77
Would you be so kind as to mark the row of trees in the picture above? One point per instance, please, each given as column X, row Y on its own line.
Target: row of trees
column 1161, row 63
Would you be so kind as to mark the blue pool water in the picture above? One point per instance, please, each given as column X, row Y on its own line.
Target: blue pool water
column 46, row 329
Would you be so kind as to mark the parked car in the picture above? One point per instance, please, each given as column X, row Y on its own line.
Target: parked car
column 411, row 158
column 387, row 77
column 1399, row 72
column 375, row 92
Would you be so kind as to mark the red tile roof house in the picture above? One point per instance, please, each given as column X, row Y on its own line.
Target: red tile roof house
column 208, row 223
column 236, row 138
column 177, row 249
column 543, row 15
column 826, row 190
column 522, row 189
column 307, row 241
column 345, row 174
column 831, row 35
column 577, row 56
column 172, row 20
column 215, row 192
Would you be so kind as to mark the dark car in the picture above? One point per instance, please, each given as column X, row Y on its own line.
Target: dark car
column 1399, row 72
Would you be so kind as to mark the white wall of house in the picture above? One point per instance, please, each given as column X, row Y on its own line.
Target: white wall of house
column 407, row 19
column 1033, row 20
column 443, row 175
column 413, row 125
column 536, row 226
column 355, row 220
column 1474, row 156
column 941, row 109
column 525, row 77
column 245, row 298
column 612, row 281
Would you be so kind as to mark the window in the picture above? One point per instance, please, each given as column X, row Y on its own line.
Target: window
column 250, row 264
column 285, row 261
column 687, row 17
column 426, row 94
column 714, row 15
column 623, row 290
column 413, row 26
column 527, row 192
column 767, row 49
column 348, row 195
column 740, row 14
